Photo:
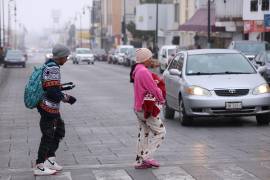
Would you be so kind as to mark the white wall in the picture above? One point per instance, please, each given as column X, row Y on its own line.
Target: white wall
column 230, row 9
column 248, row 15
column 146, row 17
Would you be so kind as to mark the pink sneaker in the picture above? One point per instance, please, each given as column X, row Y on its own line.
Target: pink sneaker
column 143, row 165
column 152, row 162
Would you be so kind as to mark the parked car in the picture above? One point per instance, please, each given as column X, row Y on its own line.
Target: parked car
column 263, row 59
column 215, row 82
column 100, row 54
column 249, row 48
column 83, row 55
column 122, row 52
column 14, row 57
column 166, row 53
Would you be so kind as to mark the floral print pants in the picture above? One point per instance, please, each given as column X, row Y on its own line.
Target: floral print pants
column 151, row 134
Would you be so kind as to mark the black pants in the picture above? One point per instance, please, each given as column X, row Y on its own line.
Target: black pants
column 53, row 130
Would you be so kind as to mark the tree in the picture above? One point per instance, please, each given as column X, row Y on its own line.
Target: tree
column 140, row 35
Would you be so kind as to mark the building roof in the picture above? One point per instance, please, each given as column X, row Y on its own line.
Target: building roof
column 199, row 21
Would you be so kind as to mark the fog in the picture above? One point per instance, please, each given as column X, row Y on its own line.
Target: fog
column 37, row 15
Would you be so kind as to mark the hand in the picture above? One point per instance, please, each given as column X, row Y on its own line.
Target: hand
column 69, row 99
column 72, row 100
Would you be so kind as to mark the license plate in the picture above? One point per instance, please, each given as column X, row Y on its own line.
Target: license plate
column 233, row 105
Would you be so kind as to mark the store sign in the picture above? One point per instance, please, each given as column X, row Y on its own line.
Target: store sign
column 255, row 26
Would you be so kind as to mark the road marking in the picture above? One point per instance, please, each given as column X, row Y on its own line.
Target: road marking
column 231, row 172
column 111, row 175
column 60, row 176
column 172, row 173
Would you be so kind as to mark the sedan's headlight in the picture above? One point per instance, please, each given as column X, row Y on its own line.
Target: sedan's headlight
column 197, row 91
column 264, row 88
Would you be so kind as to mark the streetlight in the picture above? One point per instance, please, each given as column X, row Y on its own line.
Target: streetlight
column 80, row 16
column 9, row 19
column 90, row 9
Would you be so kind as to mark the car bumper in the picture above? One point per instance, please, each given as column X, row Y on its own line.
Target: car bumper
column 86, row 60
column 216, row 105
column 14, row 63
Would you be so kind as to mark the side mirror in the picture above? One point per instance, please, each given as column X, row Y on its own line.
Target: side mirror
column 175, row 72
column 262, row 69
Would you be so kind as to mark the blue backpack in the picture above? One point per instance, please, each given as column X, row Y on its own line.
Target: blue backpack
column 33, row 91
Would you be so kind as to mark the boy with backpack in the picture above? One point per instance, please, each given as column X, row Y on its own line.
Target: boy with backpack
column 51, row 124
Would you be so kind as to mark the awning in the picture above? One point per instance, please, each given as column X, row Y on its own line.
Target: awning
column 199, row 21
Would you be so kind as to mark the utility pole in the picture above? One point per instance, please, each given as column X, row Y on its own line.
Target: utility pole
column 4, row 32
column 101, row 42
column 9, row 28
column 209, row 26
column 15, row 26
column 155, row 46
column 0, row 26
column 80, row 16
column 124, row 25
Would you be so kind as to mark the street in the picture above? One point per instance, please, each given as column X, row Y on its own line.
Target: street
column 101, row 134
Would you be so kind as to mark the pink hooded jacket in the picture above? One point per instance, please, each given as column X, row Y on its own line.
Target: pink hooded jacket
column 143, row 83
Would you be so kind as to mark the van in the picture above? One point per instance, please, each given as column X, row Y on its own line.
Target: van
column 166, row 53
column 123, row 54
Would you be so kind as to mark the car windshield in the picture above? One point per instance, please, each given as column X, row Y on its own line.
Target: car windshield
column 250, row 48
column 124, row 50
column 208, row 64
column 14, row 54
column 171, row 52
column 83, row 51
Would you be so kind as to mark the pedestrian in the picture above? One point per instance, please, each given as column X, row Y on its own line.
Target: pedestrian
column 51, row 124
column 151, row 128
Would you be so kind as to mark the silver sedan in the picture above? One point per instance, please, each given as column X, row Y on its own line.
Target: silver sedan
column 215, row 82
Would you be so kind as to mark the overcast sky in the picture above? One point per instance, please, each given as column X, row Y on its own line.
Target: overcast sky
column 37, row 14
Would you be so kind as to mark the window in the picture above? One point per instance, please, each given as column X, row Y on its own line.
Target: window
column 253, row 5
column 265, row 5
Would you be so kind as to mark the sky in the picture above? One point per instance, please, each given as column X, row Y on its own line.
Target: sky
column 36, row 15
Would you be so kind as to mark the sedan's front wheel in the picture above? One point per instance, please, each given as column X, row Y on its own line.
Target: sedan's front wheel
column 263, row 119
column 183, row 118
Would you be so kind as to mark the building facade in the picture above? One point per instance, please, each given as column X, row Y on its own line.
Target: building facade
column 256, row 16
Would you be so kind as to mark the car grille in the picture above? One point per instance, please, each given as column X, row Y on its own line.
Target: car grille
column 232, row 92
column 225, row 111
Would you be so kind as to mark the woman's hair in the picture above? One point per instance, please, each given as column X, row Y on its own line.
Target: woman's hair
column 131, row 72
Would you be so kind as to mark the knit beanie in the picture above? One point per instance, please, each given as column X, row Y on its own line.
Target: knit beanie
column 143, row 54
column 60, row 50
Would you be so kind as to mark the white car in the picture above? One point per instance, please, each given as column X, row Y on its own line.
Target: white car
column 83, row 55
column 122, row 53
column 166, row 52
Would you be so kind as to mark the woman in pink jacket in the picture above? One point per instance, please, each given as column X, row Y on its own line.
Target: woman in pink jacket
column 151, row 129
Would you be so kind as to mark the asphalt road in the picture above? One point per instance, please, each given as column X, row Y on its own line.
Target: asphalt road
column 101, row 131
